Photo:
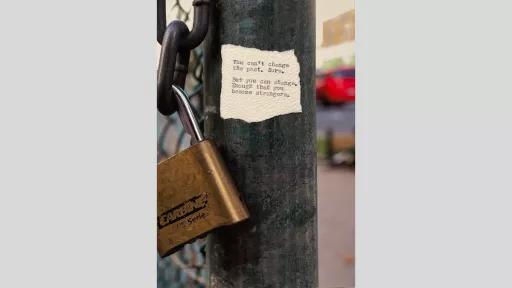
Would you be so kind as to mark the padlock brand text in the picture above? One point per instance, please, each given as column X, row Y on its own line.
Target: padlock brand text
column 183, row 210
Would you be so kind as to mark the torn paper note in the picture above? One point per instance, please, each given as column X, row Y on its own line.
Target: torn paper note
column 257, row 84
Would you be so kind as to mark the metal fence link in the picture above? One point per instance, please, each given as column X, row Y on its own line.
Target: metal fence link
column 186, row 268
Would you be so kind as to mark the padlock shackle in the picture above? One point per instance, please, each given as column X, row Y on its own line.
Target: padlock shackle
column 188, row 118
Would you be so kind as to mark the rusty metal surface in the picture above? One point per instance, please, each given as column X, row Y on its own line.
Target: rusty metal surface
column 273, row 162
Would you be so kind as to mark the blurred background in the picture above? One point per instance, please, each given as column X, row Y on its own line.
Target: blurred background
column 335, row 94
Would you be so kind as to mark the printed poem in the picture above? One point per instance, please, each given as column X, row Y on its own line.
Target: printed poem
column 257, row 84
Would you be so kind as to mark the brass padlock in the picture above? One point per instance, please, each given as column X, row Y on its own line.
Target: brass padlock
column 195, row 192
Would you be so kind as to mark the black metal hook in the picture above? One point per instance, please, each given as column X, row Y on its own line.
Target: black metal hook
column 172, row 67
column 199, row 28
column 177, row 41
column 161, row 20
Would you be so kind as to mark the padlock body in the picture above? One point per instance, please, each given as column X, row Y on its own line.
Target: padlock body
column 196, row 194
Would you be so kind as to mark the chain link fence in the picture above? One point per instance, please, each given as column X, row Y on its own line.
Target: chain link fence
column 186, row 268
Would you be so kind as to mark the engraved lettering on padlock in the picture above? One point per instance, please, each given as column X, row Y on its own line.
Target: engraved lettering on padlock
column 183, row 210
column 195, row 191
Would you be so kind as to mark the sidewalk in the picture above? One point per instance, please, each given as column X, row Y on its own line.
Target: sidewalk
column 335, row 227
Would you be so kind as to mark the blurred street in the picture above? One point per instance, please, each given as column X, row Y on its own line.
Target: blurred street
column 336, row 204
column 335, row 226
column 340, row 118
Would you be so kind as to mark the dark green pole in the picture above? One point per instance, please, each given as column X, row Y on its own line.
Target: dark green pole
column 273, row 162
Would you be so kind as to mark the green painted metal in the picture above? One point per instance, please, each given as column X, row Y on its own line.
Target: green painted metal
column 273, row 162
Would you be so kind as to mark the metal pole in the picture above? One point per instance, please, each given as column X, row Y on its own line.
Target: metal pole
column 273, row 162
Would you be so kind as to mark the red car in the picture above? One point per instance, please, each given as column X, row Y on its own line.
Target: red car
column 336, row 87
